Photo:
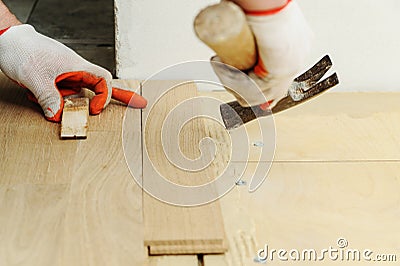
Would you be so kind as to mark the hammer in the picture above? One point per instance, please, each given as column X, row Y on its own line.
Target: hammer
column 223, row 27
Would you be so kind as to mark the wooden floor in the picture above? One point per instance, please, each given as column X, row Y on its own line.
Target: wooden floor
column 336, row 174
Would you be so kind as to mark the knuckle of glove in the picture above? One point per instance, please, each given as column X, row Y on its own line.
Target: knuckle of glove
column 98, row 71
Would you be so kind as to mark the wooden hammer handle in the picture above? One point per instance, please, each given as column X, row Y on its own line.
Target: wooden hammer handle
column 223, row 27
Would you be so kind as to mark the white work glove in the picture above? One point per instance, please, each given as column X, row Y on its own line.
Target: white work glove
column 284, row 41
column 51, row 70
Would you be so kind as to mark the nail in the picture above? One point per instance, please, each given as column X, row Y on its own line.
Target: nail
column 241, row 183
column 258, row 144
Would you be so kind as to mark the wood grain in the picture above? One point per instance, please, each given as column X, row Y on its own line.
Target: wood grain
column 336, row 127
column 28, row 140
column 32, row 223
column 336, row 174
column 171, row 229
column 311, row 205
column 66, row 202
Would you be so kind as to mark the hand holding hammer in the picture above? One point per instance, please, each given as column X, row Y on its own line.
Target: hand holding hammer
column 269, row 44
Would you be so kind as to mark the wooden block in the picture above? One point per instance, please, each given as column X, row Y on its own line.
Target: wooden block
column 171, row 229
column 74, row 122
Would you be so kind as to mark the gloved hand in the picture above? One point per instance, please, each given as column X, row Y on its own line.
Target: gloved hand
column 283, row 39
column 50, row 70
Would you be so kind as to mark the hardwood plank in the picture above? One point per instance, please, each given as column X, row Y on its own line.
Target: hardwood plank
column 104, row 215
column 90, row 214
column 336, row 127
column 32, row 222
column 311, row 205
column 67, row 202
column 30, row 146
column 341, row 126
column 171, row 229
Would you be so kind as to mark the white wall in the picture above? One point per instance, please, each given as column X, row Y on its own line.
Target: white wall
column 362, row 37
column 152, row 35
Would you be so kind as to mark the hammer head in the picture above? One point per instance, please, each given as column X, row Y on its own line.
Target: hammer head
column 234, row 115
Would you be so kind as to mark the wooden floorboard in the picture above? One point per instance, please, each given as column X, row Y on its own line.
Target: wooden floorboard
column 32, row 223
column 173, row 229
column 30, row 146
column 66, row 202
column 335, row 127
column 336, row 174
column 310, row 206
